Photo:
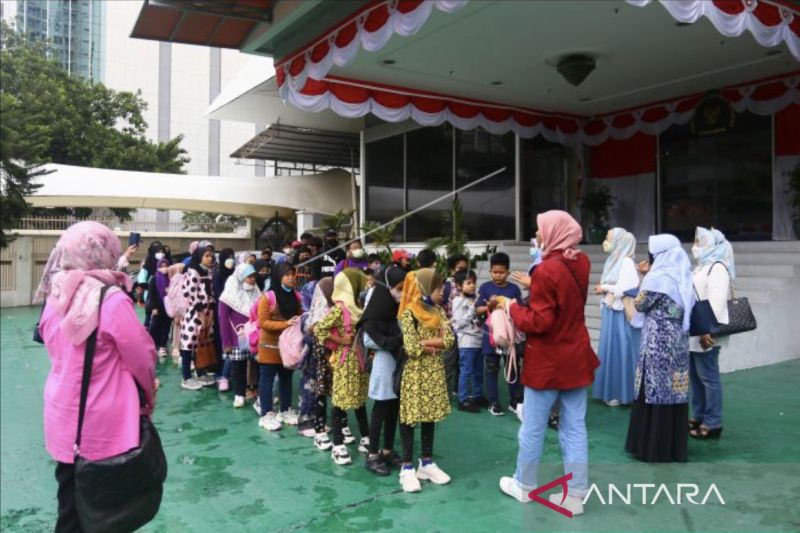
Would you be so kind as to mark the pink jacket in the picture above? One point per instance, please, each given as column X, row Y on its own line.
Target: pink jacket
column 124, row 352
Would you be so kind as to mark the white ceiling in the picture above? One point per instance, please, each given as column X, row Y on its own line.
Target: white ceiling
column 643, row 56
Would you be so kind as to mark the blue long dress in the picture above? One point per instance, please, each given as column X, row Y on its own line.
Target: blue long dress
column 618, row 352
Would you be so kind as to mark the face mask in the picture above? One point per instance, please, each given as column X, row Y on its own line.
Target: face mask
column 159, row 256
column 229, row 263
column 607, row 247
column 397, row 295
column 163, row 271
column 535, row 251
column 696, row 251
column 285, row 288
column 248, row 287
column 358, row 253
column 287, row 251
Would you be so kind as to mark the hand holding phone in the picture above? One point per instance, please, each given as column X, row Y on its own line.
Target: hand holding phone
column 134, row 239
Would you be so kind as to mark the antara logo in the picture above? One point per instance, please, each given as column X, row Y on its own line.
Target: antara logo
column 676, row 495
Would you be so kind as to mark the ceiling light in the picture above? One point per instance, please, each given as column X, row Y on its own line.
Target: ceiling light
column 497, row 83
column 575, row 68
column 387, row 61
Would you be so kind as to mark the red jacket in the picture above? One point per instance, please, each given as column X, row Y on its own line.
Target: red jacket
column 558, row 354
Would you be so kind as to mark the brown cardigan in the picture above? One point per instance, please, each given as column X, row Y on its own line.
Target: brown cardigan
column 272, row 324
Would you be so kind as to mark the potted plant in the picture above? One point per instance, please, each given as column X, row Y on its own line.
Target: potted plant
column 596, row 208
column 794, row 191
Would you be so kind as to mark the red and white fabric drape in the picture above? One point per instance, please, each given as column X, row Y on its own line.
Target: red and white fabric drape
column 771, row 22
column 369, row 28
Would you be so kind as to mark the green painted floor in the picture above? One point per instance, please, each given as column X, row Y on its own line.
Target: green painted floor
column 228, row 474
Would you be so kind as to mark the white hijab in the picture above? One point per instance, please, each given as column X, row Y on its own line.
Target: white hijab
column 234, row 295
column 623, row 244
column 671, row 273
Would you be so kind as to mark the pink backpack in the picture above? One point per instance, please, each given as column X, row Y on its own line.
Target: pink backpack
column 175, row 303
column 252, row 329
column 504, row 336
column 291, row 344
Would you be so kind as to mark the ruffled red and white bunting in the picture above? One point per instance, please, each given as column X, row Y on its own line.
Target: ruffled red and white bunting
column 770, row 21
column 369, row 28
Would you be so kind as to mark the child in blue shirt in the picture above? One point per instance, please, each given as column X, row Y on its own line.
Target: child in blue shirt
column 499, row 266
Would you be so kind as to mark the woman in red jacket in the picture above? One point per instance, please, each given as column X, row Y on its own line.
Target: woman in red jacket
column 559, row 362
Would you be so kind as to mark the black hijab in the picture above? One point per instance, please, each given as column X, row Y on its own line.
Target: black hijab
column 197, row 258
column 150, row 261
column 379, row 320
column 287, row 301
column 223, row 273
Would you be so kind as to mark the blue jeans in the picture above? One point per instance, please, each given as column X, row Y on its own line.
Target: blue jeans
column 227, row 366
column 266, row 379
column 470, row 374
column 571, row 435
column 706, row 387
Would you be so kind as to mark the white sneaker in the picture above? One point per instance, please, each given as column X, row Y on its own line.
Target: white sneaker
column 289, row 417
column 207, row 380
column 363, row 445
column 238, row 401
column 340, row 455
column 348, row 435
column 191, row 384
column 612, row 403
column 308, row 432
column 520, row 406
column 432, row 473
column 257, row 406
column 409, row 481
column 572, row 504
column 270, row 422
column 223, row 385
column 510, row 486
column 323, row 441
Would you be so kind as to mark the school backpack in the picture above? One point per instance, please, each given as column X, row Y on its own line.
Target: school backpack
column 175, row 303
column 504, row 337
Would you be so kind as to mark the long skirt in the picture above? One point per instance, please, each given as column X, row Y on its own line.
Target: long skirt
column 618, row 350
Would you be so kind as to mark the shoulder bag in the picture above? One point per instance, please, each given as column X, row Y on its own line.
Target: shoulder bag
column 740, row 314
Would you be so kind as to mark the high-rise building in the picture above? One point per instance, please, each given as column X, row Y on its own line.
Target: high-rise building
column 74, row 30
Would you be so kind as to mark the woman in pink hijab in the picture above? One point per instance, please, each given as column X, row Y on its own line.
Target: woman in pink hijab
column 79, row 267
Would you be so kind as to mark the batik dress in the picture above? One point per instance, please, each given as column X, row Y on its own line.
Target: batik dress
column 350, row 379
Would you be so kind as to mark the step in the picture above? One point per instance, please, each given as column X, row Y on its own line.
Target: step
column 641, row 248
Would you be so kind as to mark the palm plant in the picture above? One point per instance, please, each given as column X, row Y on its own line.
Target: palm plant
column 382, row 237
column 454, row 237
column 339, row 220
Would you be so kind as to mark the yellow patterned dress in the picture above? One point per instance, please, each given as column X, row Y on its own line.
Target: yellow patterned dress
column 350, row 384
column 423, row 388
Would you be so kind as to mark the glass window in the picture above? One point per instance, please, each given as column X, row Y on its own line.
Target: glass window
column 543, row 180
column 722, row 180
column 384, row 179
column 489, row 206
column 429, row 175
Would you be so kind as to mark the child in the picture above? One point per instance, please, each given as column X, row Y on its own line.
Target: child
column 470, row 342
column 321, row 303
column 423, row 390
column 499, row 265
column 350, row 378
column 455, row 263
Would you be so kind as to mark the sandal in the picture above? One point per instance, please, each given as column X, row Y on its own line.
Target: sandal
column 694, row 425
column 704, row 433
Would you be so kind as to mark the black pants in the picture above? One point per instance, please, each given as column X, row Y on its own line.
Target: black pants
column 407, row 436
column 159, row 329
column 321, row 413
column 384, row 416
column 340, row 421
column 239, row 377
column 67, row 521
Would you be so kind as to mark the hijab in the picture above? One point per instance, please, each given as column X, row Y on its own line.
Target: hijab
column 150, row 260
column 711, row 247
column 197, row 258
column 671, row 273
column 559, row 231
column 223, row 273
column 235, row 296
column 287, row 301
column 162, row 280
column 347, row 285
column 419, row 284
column 78, row 268
column 379, row 320
column 322, row 300
column 623, row 244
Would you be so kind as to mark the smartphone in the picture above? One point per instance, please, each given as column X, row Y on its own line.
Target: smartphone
column 134, row 239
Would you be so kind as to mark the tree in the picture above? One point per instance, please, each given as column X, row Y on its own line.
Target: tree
column 383, row 237
column 49, row 116
column 211, row 222
column 338, row 221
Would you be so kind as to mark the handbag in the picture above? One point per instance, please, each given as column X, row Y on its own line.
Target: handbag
column 123, row 492
column 205, row 354
column 702, row 320
column 740, row 314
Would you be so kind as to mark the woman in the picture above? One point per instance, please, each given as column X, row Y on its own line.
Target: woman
column 160, row 322
column 350, row 378
column 235, row 302
column 559, row 362
column 197, row 326
column 321, row 303
column 172, row 272
column 148, row 270
column 264, row 271
column 657, row 430
column 278, row 309
column 227, row 264
column 383, row 336
column 356, row 258
column 712, row 280
column 423, row 388
column 619, row 342
column 124, row 360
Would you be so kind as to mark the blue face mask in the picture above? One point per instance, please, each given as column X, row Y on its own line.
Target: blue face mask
column 285, row 288
column 535, row 251
column 428, row 301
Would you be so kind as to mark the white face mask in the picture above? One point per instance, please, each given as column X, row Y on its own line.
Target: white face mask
column 159, row 256
column 358, row 253
column 248, row 287
column 607, row 247
column 229, row 263
column 696, row 251
column 287, row 251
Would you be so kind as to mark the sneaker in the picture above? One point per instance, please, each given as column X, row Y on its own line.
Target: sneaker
column 309, row 432
column 238, row 402
column 348, row 435
column 377, row 465
column 289, row 417
column 432, row 473
column 257, row 406
column 612, row 403
column 223, row 385
column 208, row 380
column 323, row 441
column 392, row 459
column 251, row 394
column 409, row 481
column 519, row 412
column 162, row 354
column 512, row 408
column 270, row 422
column 496, row 410
column 363, row 445
column 340, row 455
column 510, row 486
column 481, row 401
column 468, row 407
column 572, row 504
column 191, row 384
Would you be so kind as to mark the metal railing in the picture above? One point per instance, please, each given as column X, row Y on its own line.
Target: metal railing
column 62, row 223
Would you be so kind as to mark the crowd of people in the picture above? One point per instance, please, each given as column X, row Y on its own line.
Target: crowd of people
column 399, row 332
